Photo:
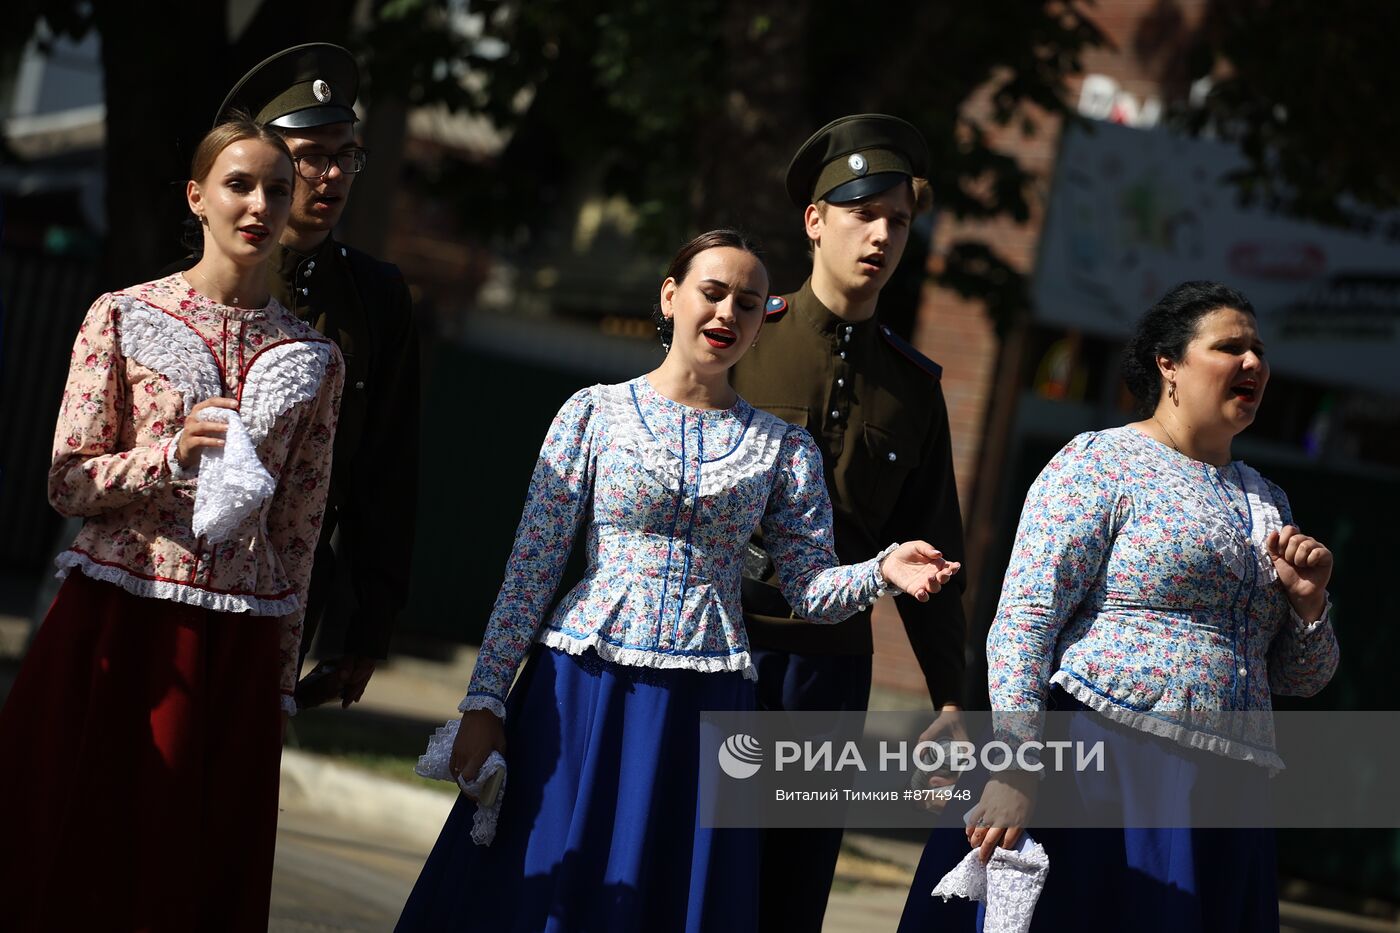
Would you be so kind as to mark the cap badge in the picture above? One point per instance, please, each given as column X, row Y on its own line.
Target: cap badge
column 321, row 89
column 857, row 163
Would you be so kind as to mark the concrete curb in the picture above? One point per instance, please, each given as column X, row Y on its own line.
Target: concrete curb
column 317, row 786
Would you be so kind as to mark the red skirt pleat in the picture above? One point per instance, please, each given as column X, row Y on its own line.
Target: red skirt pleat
column 139, row 754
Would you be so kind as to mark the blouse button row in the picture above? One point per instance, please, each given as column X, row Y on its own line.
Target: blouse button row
column 1243, row 672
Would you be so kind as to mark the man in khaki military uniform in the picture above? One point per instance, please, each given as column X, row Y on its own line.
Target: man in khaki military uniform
column 360, row 579
column 875, row 407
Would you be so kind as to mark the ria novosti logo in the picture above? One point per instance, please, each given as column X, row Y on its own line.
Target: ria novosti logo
column 740, row 756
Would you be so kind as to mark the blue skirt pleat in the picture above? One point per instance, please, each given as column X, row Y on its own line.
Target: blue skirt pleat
column 598, row 827
column 1168, row 877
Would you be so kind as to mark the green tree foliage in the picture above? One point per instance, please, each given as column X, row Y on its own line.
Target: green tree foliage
column 1308, row 92
column 691, row 110
column 688, row 110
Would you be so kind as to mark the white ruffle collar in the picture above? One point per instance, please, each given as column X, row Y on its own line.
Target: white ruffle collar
column 755, row 452
column 1198, row 488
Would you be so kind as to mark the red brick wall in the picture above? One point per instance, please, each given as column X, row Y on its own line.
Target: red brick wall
column 957, row 333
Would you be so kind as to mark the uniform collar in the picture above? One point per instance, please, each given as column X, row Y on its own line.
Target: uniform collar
column 287, row 261
column 808, row 308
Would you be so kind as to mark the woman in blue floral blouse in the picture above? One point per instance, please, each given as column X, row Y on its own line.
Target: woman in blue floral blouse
column 1156, row 583
column 671, row 473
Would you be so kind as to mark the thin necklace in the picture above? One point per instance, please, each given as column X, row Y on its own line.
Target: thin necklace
column 1233, row 510
column 1175, row 446
column 234, row 300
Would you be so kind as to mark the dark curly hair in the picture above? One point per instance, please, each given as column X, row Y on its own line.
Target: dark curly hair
column 1166, row 329
column 680, row 268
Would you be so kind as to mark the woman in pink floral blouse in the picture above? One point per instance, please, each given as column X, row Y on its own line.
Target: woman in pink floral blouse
column 669, row 473
column 141, row 739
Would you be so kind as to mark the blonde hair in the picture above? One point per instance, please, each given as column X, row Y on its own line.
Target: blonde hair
column 238, row 127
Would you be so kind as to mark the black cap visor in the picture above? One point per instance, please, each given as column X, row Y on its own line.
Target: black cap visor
column 865, row 187
column 313, row 117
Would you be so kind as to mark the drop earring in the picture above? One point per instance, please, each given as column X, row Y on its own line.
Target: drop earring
column 1171, row 390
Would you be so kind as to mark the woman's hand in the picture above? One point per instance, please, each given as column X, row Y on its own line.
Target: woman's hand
column 1304, row 566
column 918, row 568
column 480, row 734
column 1006, row 806
column 198, row 433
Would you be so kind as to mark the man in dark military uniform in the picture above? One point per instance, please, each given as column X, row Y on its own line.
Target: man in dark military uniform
column 875, row 407
column 360, row 579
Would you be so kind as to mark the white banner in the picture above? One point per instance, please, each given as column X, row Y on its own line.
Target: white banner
column 1133, row 212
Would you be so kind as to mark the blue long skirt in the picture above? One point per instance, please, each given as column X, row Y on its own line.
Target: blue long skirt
column 598, row 827
column 1176, row 879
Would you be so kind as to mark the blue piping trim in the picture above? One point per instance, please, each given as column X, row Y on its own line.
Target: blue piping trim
column 671, row 540
column 1153, row 714
column 690, row 527
column 643, row 418
column 748, row 422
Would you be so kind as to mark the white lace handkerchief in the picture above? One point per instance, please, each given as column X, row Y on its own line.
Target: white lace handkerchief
column 233, row 482
column 434, row 765
column 1010, row 884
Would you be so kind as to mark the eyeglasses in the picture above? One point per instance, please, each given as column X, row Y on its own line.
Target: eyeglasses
column 313, row 167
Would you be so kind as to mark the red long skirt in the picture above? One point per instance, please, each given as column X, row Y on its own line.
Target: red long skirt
column 139, row 754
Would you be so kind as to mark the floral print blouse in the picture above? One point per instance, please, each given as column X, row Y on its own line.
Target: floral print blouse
column 670, row 496
column 143, row 357
column 1140, row 584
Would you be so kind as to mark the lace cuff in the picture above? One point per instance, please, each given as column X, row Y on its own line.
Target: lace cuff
column 482, row 701
column 289, row 704
column 172, row 447
column 884, row 587
column 1303, row 629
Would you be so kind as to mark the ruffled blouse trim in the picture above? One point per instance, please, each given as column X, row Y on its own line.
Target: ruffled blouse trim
column 1241, row 552
column 170, row 347
column 1157, row 724
column 282, row 377
column 482, row 701
column 754, row 455
column 642, row 657
column 171, row 591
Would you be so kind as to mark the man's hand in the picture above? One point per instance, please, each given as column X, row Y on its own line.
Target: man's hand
column 358, row 671
column 948, row 724
column 343, row 678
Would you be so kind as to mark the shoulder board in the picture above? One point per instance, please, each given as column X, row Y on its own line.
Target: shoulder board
column 906, row 350
column 776, row 307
